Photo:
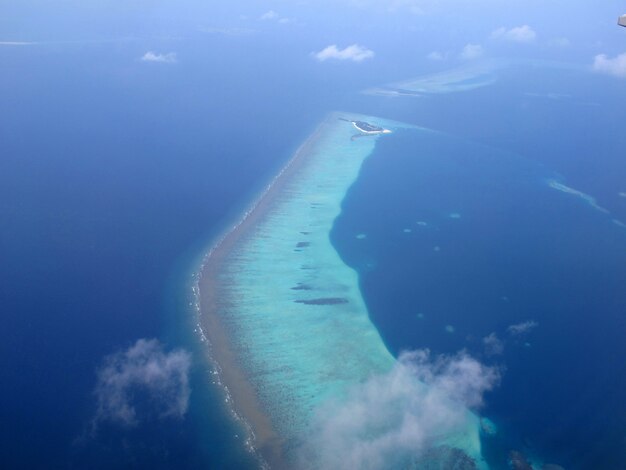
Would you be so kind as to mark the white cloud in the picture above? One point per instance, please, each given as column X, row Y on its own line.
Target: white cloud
column 472, row 51
column 524, row 34
column 169, row 58
column 493, row 345
column 392, row 419
column 273, row 16
column 354, row 53
column 613, row 66
column 143, row 377
column 269, row 15
column 436, row 55
column 522, row 328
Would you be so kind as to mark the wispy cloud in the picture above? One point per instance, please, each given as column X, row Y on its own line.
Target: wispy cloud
column 436, row 55
column 269, row 15
column 143, row 377
column 559, row 42
column 550, row 96
column 169, row 58
column 227, row 31
column 472, row 51
column 615, row 66
column 522, row 328
column 493, row 345
column 354, row 53
column 47, row 42
column 523, row 34
column 412, row 6
column 17, row 43
column 393, row 418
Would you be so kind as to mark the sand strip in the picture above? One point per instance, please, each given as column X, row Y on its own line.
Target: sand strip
column 244, row 399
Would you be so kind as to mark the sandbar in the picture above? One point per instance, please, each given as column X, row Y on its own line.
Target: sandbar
column 264, row 438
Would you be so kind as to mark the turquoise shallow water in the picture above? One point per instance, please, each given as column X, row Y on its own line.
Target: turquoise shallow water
column 289, row 347
column 293, row 308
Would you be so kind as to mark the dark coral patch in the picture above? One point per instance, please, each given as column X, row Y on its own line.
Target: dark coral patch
column 301, row 286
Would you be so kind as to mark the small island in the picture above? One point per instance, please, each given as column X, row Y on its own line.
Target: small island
column 367, row 128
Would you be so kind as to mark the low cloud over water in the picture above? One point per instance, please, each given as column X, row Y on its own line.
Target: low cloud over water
column 141, row 383
column 400, row 415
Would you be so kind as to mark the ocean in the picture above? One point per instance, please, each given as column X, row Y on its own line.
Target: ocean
column 111, row 192
column 474, row 247
column 116, row 177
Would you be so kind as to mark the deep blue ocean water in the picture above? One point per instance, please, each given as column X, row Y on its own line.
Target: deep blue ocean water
column 116, row 174
column 465, row 240
column 114, row 177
